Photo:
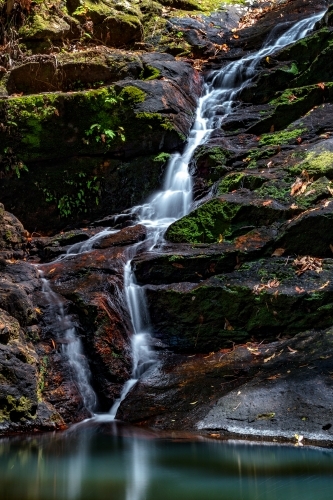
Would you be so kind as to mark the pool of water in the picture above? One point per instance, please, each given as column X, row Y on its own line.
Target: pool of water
column 114, row 462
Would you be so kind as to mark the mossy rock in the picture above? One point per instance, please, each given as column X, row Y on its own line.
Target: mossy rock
column 318, row 161
column 260, row 300
column 181, row 4
column 289, row 105
column 73, row 72
column 225, row 217
column 113, row 23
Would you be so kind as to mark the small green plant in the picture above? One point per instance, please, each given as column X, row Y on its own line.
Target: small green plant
column 82, row 193
column 162, row 157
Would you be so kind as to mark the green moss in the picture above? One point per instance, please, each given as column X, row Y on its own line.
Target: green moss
column 205, row 224
column 238, row 180
column 150, row 73
column 132, row 95
column 279, row 138
column 317, row 164
column 277, row 190
column 20, row 407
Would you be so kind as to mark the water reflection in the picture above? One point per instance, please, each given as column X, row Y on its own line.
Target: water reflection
column 111, row 461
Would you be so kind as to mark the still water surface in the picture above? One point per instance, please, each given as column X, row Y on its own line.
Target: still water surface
column 112, row 462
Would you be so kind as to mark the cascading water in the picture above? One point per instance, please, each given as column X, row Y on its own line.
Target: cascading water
column 174, row 201
column 71, row 345
column 171, row 203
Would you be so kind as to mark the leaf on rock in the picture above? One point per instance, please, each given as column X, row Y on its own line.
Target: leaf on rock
column 227, row 325
column 269, row 359
column 278, row 252
column 308, row 263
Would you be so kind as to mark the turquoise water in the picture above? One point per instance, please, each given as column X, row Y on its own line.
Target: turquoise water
column 113, row 462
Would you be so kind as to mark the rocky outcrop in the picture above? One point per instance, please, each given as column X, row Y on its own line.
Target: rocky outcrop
column 272, row 391
column 120, row 130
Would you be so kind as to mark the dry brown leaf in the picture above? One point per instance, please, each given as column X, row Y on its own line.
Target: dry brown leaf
column 254, row 351
column 52, row 270
column 227, row 325
column 308, row 263
column 268, row 359
column 278, row 252
column 293, row 351
column 266, row 203
column 299, row 290
column 321, row 85
column 324, row 285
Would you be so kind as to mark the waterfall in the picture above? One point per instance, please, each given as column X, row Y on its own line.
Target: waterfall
column 174, row 200
column 171, row 203
column 71, row 345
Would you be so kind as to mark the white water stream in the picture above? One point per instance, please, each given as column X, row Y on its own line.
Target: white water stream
column 168, row 205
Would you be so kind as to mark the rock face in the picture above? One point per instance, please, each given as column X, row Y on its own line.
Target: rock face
column 24, row 371
column 119, row 139
column 273, row 390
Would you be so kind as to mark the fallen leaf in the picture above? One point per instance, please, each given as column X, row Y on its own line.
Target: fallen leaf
column 266, row 203
column 254, row 351
column 321, row 85
column 52, row 270
column 194, row 403
column 227, row 325
column 299, row 290
column 38, row 311
column 179, row 266
column 324, row 285
column 220, row 238
column 308, row 263
column 268, row 359
column 53, row 344
column 293, row 351
column 278, row 252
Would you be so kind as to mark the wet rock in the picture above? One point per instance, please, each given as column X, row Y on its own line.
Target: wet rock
column 260, row 300
column 90, row 68
column 310, row 233
column 20, row 398
column 179, row 263
column 126, row 236
column 93, row 285
column 226, row 217
column 13, row 236
column 274, row 390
